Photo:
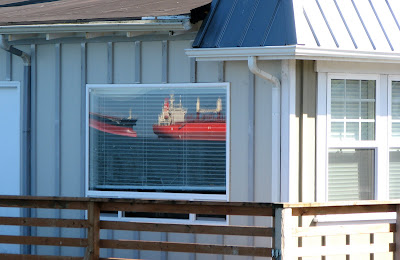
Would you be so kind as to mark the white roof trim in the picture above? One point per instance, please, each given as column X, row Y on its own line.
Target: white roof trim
column 125, row 26
column 291, row 52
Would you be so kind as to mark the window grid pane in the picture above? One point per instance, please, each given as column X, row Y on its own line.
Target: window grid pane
column 395, row 109
column 353, row 104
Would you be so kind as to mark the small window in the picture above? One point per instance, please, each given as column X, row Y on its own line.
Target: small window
column 158, row 141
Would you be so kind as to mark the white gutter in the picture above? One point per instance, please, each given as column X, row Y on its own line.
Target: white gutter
column 276, row 126
column 125, row 26
column 292, row 52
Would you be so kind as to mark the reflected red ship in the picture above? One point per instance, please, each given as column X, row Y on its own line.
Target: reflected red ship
column 113, row 125
column 207, row 124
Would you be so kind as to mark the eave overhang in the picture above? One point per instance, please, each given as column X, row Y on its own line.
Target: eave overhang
column 162, row 25
column 297, row 52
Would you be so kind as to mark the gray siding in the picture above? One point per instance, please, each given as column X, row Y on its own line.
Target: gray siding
column 59, row 150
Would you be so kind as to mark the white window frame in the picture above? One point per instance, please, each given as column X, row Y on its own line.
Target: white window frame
column 392, row 142
column 161, row 195
column 380, row 144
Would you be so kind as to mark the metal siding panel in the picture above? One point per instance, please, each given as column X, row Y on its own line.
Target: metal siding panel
column 138, row 62
column 174, row 237
column 237, row 74
column 45, row 120
column 124, row 62
column 97, row 63
column 8, row 66
column 151, row 62
column 110, row 62
column 207, row 71
column 70, row 118
column 123, row 235
column 45, row 135
column 150, row 236
column 309, row 85
column 207, row 239
column 263, row 132
column 71, row 175
column 3, row 65
column 178, row 62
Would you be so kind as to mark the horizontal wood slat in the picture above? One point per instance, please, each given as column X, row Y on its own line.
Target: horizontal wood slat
column 45, row 204
column 186, row 247
column 37, row 257
column 343, row 230
column 198, row 229
column 190, row 208
column 343, row 250
column 51, row 241
column 326, row 210
column 44, row 222
column 113, row 258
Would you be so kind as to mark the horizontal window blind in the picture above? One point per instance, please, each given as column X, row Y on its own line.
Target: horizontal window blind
column 394, row 174
column 351, row 174
column 158, row 139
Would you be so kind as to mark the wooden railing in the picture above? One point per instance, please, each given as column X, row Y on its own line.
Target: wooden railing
column 294, row 232
column 357, row 236
column 93, row 225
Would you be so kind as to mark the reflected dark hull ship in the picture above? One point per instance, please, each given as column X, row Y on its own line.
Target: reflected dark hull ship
column 113, row 125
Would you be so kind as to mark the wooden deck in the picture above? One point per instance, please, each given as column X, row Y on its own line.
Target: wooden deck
column 291, row 232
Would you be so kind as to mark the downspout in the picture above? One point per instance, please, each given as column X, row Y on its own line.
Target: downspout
column 26, row 126
column 276, row 126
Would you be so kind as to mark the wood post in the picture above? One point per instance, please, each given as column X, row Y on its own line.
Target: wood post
column 284, row 241
column 397, row 234
column 93, row 249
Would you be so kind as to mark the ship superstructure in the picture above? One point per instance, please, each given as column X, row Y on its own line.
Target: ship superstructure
column 175, row 123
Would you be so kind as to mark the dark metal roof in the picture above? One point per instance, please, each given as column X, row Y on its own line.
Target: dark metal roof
column 66, row 11
column 248, row 23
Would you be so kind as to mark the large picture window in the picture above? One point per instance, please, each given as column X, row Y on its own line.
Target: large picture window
column 158, row 141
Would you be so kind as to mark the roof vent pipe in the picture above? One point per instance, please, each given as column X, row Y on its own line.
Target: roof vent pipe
column 276, row 127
